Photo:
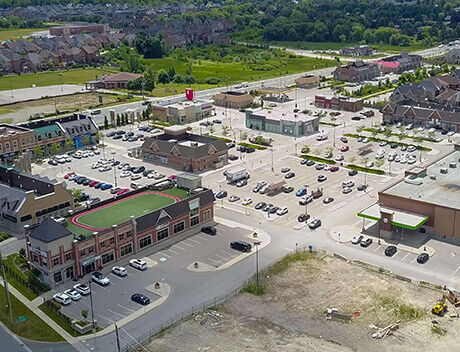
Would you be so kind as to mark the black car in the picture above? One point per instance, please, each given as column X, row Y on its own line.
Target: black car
column 362, row 187
column 52, row 162
column 139, row 135
column 267, row 207
column 393, row 146
column 289, row 175
column 84, row 197
column 81, row 180
column 328, row 200
column 241, row 246
column 423, row 258
column 86, row 182
column 116, row 162
column 260, row 205
column 303, row 217
column 140, row 298
column 217, row 121
column 118, row 136
column 390, row 251
column 250, row 150
column 366, row 243
column 303, row 161
column 232, row 157
column 110, row 134
column 288, row 189
column 356, row 118
column 98, row 185
column 145, row 102
column 139, row 169
column 130, row 134
column 133, row 139
column 273, row 209
column 146, row 172
column 230, row 145
column 120, row 132
column 310, row 163
column 352, row 173
column 221, row 194
column 210, row 230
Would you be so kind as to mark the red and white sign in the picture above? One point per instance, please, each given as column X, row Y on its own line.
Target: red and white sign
column 189, row 93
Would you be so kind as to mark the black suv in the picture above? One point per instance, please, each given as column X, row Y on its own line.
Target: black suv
column 241, row 246
column 210, row 230
column 390, row 251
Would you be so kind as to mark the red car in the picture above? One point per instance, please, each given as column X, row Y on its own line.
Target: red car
column 92, row 183
column 123, row 191
column 69, row 174
column 345, row 148
column 334, row 168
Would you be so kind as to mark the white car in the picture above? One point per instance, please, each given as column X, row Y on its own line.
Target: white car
column 370, row 164
column 72, row 293
column 305, row 200
column 346, row 190
column 82, row 289
column 285, row 169
column 136, row 177
column 119, row 270
column 366, row 140
column 125, row 174
column 95, row 165
column 62, row 298
column 403, row 160
column 105, row 168
column 357, row 239
column 272, row 105
column 339, row 157
column 157, row 176
column 327, row 168
column 100, row 278
column 233, row 199
column 411, row 161
column 383, row 143
column 348, row 184
column 247, row 201
column 282, row 211
column 138, row 264
column 411, row 148
column 261, row 183
column 321, row 137
column 420, row 129
column 151, row 175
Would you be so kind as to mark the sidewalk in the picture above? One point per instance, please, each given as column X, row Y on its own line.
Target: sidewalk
column 33, row 306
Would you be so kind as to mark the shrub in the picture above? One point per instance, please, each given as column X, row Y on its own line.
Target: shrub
column 255, row 146
column 226, row 140
column 212, row 80
column 253, row 289
column 365, row 169
column 318, row 159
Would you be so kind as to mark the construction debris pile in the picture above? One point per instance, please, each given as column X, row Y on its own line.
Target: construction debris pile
column 212, row 314
column 382, row 332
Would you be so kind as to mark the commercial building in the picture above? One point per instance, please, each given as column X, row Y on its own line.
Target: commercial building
column 339, row 102
column 234, row 100
column 185, row 151
column 71, row 29
column 282, row 123
column 60, row 255
column 188, row 181
column 426, row 200
column 399, row 63
column 362, row 50
column 307, row 81
column 429, row 115
column 357, row 71
column 27, row 199
column 13, row 141
column 113, row 81
column 184, row 111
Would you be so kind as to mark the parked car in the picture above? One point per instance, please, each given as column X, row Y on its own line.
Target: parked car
column 105, row 186
column 344, row 139
column 282, row 211
column 288, row 189
column 352, row 173
column 135, row 177
column 310, row 162
column 328, row 200
column 390, row 251
column 357, row 239
column 233, row 199
column 140, row 298
column 119, row 270
column 241, row 246
column 362, row 187
column 320, row 166
column 114, row 190
column 303, row 217
column 247, row 201
column 100, row 278
column 334, row 168
column 260, row 205
column 138, row 264
column 242, row 183
column 301, row 192
column 123, row 191
column 210, row 230
column 423, row 258
column 62, row 298
column 314, row 223
column 289, row 175
column 322, row 178
column 73, row 294
column 366, row 242
column 346, row 190
column 285, row 169
column 345, row 148
column 221, row 194
column 82, row 289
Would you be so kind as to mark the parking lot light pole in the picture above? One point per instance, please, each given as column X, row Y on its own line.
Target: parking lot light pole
column 257, row 244
column 306, row 202
column 114, row 169
column 91, row 301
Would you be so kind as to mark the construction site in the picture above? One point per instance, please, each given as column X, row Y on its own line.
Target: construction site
column 318, row 303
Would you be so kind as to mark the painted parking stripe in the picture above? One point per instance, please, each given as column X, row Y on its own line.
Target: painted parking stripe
column 230, row 254
column 179, row 248
column 131, row 310
column 414, row 260
column 405, row 256
column 376, row 249
column 213, row 260
column 111, row 311
column 202, row 238
column 105, row 318
column 117, row 277
column 288, row 249
column 187, row 244
column 224, row 258
column 191, row 239
column 173, row 251
column 455, row 271
column 162, row 253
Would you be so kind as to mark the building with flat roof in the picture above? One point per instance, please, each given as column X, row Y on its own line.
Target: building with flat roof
column 185, row 151
column 275, row 93
column 275, row 121
column 307, row 81
column 234, row 100
column 61, row 254
column 13, row 141
column 427, row 199
column 70, row 29
column 339, row 102
column 27, row 199
column 361, row 50
column 183, row 112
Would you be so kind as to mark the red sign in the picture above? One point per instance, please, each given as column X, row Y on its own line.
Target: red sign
column 189, row 93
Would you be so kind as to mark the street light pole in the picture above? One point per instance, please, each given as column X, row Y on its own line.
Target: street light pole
column 91, row 301
column 114, row 169
column 306, row 202
column 256, row 244
column 7, row 291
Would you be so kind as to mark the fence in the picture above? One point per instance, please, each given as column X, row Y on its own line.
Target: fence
column 22, row 281
column 201, row 307
column 55, row 309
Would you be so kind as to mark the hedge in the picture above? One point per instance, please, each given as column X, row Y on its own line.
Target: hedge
column 365, row 169
column 394, row 134
column 318, row 159
column 226, row 140
column 373, row 139
column 255, row 146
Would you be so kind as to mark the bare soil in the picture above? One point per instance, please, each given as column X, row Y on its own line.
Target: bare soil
column 290, row 315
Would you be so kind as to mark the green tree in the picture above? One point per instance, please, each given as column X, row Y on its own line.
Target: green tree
column 329, row 152
column 211, row 129
column 188, row 72
column 55, row 148
column 171, row 73
column 360, row 129
column 76, row 193
column 84, row 314
column 388, row 132
column 106, row 122
column 86, row 140
column 70, row 144
column 118, row 120
column 379, row 163
column 38, row 151
column 162, row 77
column 243, row 136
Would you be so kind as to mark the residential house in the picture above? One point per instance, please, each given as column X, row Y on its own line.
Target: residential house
column 35, row 62
column 399, row 63
column 357, row 71
column 452, row 57
column 113, row 81
column 5, row 64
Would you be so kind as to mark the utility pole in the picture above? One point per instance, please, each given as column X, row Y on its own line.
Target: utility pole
column 91, row 300
column 118, row 339
column 272, row 156
column 114, row 169
column 306, row 202
column 256, row 244
column 5, row 282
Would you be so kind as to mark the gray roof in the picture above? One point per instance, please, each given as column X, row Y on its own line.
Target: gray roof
column 78, row 127
column 49, row 230
column 11, row 198
column 173, row 210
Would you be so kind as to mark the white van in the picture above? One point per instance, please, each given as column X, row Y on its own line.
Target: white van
column 348, row 184
column 136, row 185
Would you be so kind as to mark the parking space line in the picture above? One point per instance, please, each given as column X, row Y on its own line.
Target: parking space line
column 217, row 255
column 115, row 276
column 414, row 260
column 162, row 253
column 173, row 251
column 455, row 271
column 179, row 247
column 111, row 311
column 105, row 318
column 376, row 248
column 405, row 256
column 213, row 260
column 288, row 249
column 187, row 244
column 230, row 254
column 191, row 239
column 131, row 310
column 202, row 238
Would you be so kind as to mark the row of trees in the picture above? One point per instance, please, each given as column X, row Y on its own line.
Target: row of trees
column 56, row 148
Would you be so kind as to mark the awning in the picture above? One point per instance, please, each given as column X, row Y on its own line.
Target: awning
column 403, row 219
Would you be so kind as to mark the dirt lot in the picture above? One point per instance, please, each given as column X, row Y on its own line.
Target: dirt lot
column 20, row 112
column 290, row 315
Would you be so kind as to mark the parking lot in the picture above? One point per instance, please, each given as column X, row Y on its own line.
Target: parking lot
column 113, row 302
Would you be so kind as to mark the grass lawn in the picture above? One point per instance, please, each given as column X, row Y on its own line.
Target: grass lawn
column 43, row 79
column 182, row 193
column 17, row 33
column 121, row 212
column 238, row 72
column 33, row 328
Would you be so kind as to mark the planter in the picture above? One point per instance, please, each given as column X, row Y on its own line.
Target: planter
column 83, row 329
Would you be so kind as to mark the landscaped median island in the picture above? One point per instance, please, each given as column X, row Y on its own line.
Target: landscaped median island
column 364, row 169
column 251, row 145
column 318, row 159
column 314, row 302
column 373, row 139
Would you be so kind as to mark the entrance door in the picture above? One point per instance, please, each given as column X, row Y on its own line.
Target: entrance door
column 86, row 269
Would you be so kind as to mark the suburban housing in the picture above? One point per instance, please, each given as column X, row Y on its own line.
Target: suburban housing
column 399, row 63
column 357, row 71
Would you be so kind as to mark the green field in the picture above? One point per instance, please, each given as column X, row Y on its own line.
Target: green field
column 238, row 72
column 76, row 76
column 122, row 211
column 13, row 34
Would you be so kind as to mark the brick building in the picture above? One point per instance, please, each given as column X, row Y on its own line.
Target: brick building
column 113, row 81
column 13, row 141
column 399, row 63
column 357, row 71
column 78, row 28
column 234, row 100
column 185, row 151
column 61, row 255
column 307, row 81
column 338, row 102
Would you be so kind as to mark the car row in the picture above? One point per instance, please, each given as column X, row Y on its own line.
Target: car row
column 85, row 181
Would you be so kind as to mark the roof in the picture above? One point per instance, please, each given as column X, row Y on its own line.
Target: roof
column 280, row 115
column 49, row 230
column 43, row 131
column 404, row 219
column 231, row 96
column 120, row 77
column 388, row 64
column 174, row 210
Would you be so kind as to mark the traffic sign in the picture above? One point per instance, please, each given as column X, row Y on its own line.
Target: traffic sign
column 22, row 318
